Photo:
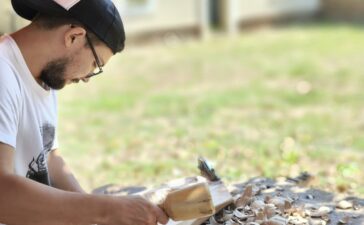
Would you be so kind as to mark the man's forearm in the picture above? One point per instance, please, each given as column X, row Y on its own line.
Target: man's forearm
column 67, row 182
column 61, row 176
column 26, row 202
column 23, row 201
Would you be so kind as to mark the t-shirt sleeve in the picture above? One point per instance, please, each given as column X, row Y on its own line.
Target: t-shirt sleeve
column 55, row 106
column 9, row 105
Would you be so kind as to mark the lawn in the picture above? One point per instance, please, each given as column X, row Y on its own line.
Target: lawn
column 270, row 102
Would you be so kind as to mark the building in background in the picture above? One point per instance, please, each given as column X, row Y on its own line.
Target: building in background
column 234, row 14
column 146, row 18
column 344, row 10
column 150, row 18
column 142, row 18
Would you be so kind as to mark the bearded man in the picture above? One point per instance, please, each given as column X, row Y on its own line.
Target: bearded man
column 67, row 41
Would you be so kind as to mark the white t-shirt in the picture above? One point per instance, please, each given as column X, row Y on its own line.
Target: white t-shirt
column 28, row 114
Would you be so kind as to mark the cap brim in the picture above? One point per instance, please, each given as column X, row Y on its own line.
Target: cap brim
column 28, row 9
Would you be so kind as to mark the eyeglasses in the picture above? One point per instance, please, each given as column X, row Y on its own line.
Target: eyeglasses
column 97, row 70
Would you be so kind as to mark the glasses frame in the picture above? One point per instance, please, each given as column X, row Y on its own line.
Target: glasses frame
column 97, row 59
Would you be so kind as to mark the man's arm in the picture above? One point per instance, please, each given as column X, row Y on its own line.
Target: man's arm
column 26, row 202
column 60, row 174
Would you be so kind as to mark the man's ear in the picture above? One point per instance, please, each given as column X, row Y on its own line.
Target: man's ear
column 74, row 36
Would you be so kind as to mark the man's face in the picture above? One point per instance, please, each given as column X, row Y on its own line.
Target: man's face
column 73, row 67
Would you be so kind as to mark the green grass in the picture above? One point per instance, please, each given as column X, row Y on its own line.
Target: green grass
column 264, row 103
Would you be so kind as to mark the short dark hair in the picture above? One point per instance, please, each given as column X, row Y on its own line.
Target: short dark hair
column 49, row 22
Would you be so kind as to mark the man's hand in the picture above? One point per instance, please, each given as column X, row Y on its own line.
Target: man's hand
column 132, row 210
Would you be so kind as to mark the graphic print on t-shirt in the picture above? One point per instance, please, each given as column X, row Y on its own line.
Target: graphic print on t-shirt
column 38, row 169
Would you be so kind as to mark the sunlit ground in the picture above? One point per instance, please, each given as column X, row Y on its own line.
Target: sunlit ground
column 264, row 103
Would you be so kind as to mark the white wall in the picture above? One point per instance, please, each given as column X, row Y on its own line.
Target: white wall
column 251, row 9
column 159, row 15
column 156, row 15
column 162, row 15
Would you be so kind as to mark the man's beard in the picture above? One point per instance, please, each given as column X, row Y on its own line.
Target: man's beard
column 53, row 74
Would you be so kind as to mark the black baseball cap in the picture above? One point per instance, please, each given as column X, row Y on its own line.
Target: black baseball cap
column 99, row 16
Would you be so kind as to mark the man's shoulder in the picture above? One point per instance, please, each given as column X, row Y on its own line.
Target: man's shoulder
column 5, row 45
column 6, row 70
column 7, row 60
column 8, row 78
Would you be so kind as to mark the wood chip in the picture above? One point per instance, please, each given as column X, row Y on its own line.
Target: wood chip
column 258, row 204
column 246, row 196
column 269, row 210
column 297, row 221
column 310, row 197
column 323, row 211
column 343, row 204
column 317, row 222
column 279, row 220
column 344, row 220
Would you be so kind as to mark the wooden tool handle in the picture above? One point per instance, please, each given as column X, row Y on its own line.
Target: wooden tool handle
column 189, row 202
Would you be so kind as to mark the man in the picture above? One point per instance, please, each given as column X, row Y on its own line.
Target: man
column 67, row 41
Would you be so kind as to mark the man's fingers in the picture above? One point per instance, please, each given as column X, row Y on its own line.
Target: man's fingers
column 161, row 215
